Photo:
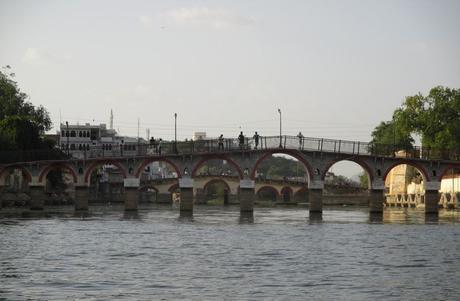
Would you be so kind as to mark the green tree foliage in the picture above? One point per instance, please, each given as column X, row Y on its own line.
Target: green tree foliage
column 435, row 117
column 276, row 167
column 21, row 123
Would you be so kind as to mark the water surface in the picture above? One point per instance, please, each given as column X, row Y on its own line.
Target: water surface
column 279, row 253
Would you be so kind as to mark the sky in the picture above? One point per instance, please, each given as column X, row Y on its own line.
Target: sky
column 336, row 69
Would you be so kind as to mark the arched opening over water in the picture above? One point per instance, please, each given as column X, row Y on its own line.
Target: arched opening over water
column 155, row 177
column 59, row 183
column 346, row 182
column 14, row 181
column 106, row 181
column 217, row 192
column 450, row 187
column 405, row 184
column 267, row 194
column 217, row 166
column 287, row 170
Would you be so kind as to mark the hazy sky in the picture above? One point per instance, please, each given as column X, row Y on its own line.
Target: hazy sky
column 335, row 68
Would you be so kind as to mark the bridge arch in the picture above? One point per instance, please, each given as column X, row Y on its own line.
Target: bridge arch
column 293, row 153
column 94, row 165
column 287, row 193
column 215, row 181
column 173, row 187
column 44, row 172
column 447, row 169
column 270, row 189
column 218, row 157
column 146, row 162
column 3, row 173
column 425, row 175
column 362, row 164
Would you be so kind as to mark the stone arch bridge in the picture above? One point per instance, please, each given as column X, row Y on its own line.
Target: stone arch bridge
column 316, row 156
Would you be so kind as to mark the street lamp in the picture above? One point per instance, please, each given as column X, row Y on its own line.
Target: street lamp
column 67, row 135
column 175, row 132
column 281, row 144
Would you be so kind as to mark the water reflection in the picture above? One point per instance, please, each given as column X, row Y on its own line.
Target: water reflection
column 431, row 218
column 186, row 216
column 131, row 215
column 315, row 217
column 375, row 217
column 246, row 217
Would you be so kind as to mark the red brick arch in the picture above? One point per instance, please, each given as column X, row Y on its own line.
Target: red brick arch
column 221, row 157
column 293, row 153
column 267, row 187
column 445, row 170
column 44, row 172
column 95, row 164
column 212, row 181
column 423, row 171
column 151, row 160
column 363, row 165
column 25, row 171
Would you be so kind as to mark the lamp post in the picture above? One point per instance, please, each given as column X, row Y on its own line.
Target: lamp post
column 67, row 135
column 175, row 132
column 281, row 138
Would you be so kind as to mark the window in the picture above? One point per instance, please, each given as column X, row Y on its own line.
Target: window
column 72, row 146
column 79, row 147
column 63, row 133
column 87, row 147
column 72, row 134
column 110, row 146
column 80, row 134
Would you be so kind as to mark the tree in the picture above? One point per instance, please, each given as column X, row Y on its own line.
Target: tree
column 435, row 117
column 21, row 123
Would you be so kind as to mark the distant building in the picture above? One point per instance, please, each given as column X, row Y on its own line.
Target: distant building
column 199, row 136
column 81, row 139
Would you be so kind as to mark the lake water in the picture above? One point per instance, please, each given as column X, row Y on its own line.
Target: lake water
column 279, row 254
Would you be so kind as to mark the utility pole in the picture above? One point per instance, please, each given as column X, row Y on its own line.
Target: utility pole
column 67, row 135
column 281, row 138
column 175, row 132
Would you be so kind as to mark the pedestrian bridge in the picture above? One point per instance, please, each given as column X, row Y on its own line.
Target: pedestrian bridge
column 316, row 155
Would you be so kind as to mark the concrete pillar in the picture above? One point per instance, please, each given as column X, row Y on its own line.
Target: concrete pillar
column 186, row 195
column 247, row 195
column 431, row 201
column 81, row 198
column 316, row 200
column 37, row 197
column 432, row 197
column 131, row 195
column 376, row 199
column 1, row 197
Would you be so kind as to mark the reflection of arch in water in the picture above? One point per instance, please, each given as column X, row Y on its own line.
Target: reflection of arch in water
column 271, row 190
column 293, row 153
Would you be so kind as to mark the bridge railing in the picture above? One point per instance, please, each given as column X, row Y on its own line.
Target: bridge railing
column 226, row 145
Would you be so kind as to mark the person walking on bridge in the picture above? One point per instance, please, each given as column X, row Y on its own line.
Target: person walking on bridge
column 256, row 140
column 241, row 140
column 300, row 136
column 221, row 142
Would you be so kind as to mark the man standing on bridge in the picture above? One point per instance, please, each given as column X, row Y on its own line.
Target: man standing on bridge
column 300, row 136
column 221, row 142
column 256, row 140
column 241, row 140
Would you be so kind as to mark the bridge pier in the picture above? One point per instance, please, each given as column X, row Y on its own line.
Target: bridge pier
column 186, row 196
column 376, row 199
column 432, row 197
column 131, row 193
column 37, row 197
column 81, row 198
column 247, row 195
column 315, row 196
